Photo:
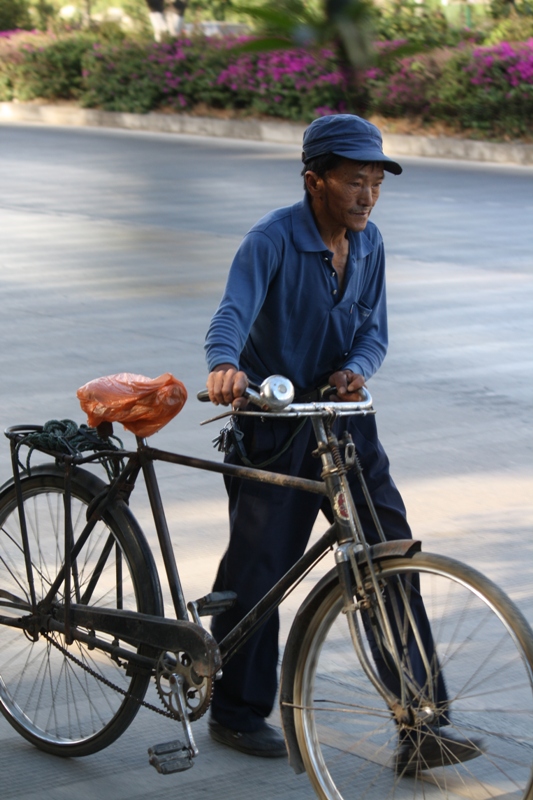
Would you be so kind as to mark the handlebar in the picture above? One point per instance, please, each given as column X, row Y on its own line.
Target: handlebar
column 277, row 393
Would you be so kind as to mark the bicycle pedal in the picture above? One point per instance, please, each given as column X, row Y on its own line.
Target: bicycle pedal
column 214, row 603
column 169, row 757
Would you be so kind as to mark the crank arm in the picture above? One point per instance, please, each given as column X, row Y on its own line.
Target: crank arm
column 177, row 682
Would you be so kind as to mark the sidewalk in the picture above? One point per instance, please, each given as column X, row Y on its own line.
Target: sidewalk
column 114, row 255
column 260, row 130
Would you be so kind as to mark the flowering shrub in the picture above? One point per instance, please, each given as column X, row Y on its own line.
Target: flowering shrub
column 290, row 84
column 407, row 89
column 485, row 88
column 188, row 70
column 139, row 77
column 488, row 88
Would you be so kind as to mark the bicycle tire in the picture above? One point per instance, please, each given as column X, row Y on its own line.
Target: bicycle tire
column 45, row 694
column 344, row 729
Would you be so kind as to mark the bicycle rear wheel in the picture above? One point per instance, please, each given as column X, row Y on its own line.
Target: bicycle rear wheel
column 345, row 731
column 57, row 695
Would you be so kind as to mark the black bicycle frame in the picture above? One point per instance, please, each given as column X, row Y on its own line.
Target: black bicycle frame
column 141, row 628
column 268, row 604
column 138, row 628
column 161, row 633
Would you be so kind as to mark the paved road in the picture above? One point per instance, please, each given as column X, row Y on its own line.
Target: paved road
column 113, row 253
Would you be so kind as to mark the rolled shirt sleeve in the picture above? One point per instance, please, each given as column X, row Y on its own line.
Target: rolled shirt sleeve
column 251, row 273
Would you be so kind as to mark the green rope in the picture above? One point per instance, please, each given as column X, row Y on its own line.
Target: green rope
column 64, row 436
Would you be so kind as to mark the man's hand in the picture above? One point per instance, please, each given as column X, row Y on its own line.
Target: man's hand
column 347, row 384
column 226, row 384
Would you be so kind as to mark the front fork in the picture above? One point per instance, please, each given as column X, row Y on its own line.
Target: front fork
column 368, row 596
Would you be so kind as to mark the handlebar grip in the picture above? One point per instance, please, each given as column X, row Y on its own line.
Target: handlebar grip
column 251, row 392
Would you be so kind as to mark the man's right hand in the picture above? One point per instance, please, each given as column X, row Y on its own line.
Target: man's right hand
column 226, row 384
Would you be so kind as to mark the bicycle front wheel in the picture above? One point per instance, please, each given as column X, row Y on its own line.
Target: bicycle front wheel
column 61, row 696
column 483, row 647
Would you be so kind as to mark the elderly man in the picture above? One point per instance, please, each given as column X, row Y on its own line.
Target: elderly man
column 305, row 298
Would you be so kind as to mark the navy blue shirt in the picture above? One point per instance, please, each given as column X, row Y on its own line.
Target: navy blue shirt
column 283, row 311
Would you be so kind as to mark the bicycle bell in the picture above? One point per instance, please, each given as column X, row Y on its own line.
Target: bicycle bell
column 276, row 392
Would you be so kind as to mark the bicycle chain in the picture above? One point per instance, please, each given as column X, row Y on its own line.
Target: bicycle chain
column 162, row 712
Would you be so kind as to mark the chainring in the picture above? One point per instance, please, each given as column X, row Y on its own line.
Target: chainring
column 197, row 690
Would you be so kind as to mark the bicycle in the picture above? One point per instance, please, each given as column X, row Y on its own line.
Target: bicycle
column 82, row 630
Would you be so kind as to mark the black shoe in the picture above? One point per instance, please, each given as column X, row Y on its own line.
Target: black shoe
column 434, row 747
column 266, row 742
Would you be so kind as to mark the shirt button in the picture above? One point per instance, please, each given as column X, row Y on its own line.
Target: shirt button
column 333, row 274
column 334, row 291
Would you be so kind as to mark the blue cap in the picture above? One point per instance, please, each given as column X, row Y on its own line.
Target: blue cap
column 349, row 136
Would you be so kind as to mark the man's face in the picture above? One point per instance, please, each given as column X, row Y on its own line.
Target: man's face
column 349, row 193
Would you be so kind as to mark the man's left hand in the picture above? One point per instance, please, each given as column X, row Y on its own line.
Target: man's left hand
column 347, row 384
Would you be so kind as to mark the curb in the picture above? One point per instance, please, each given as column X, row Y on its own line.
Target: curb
column 258, row 130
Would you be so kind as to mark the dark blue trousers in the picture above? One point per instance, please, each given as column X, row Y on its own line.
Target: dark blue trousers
column 269, row 530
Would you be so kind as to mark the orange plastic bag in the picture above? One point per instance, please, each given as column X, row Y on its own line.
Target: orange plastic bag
column 142, row 405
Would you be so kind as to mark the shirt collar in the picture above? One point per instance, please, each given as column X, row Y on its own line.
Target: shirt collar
column 307, row 239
